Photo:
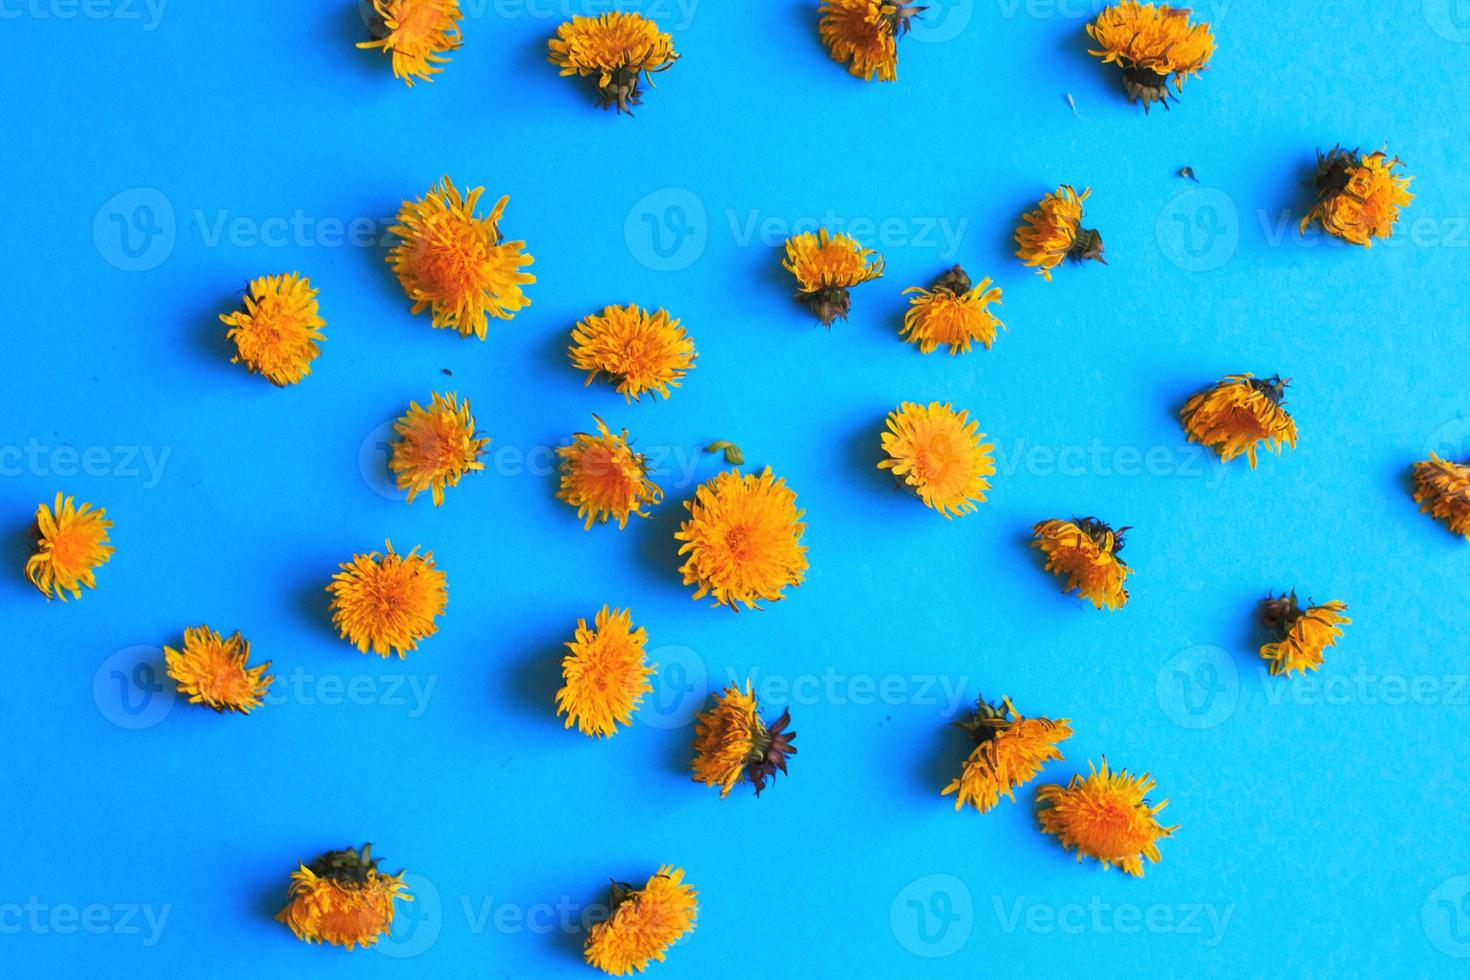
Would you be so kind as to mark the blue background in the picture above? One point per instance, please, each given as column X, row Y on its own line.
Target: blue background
column 1324, row 820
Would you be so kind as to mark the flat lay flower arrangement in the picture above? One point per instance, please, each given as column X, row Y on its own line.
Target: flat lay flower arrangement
column 465, row 261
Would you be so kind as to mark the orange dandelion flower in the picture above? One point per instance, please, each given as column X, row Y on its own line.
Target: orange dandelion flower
column 642, row 923
column 211, row 670
column 1442, row 490
column 387, row 603
column 940, row 455
column 1358, row 195
column 1054, row 232
column 1151, row 44
column 603, row 477
column 865, row 33
column 456, row 265
column 620, row 50
column 742, row 539
column 417, row 33
column 638, row 350
column 1086, row 551
column 436, row 446
column 732, row 743
column 1304, row 634
column 276, row 334
column 606, row 674
column 1009, row 752
column 826, row 267
column 343, row 899
column 1106, row 816
column 952, row 312
column 71, row 543
column 1238, row 414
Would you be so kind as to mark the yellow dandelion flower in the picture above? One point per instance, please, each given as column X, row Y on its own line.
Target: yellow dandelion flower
column 621, row 50
column 1054, row 232
column 731, row 742
column 642, row 923
column 952, row 312
column 1304, row 634
column 211, row 670
column 276, row 334
column 1106, row 816
column 743, row 539
column 1238, row 415
column 456, row 265
column 638, row 350
column 387, row 603
column 1358, row 195
column 865, row 33
column 1086, row 551
column 606, row 674
column 603, row 477
column 826, row 267
column 343, row 899
column 1442, row 490
column 436, row 446
column 71, row 544
column 1009, row 752
column 1151, row 45
column 940, row 455
column 417, row 33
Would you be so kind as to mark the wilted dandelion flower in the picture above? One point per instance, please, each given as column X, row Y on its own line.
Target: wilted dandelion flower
column 940, row 455
column 1152, row 45
column 638, row 350
column 619, row 49
column 1085, row 550
column 212, row 671
column 1442, row 490
column 1238, row 415
column 276, row 334
column 1054, row 232
column 1009, row 752
column 417, row 33
column 952, row 312
column 603, row 477
column 436, row 446
column 642, row 923
column 1303, row 634
column 1358, row 195
column 742, row 539
column 71, row 544
column 865, row 33
column 387, row 603
column 343, row 899
column 1106, row 815
column 605, row 675
column 732, row 742
column 456, row 265
column 826, row 267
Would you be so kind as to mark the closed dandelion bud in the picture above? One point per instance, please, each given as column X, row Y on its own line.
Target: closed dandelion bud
column 1153, row 46
column 865, row 33
column 343, row 899
column 1107, row 816
column 1054, row 232
column 1442, row 490
column 417, row 33
column 826, row 266
column 1240, row 414
column 1302, row 634
column 1085, row 550
column 1358, row 195
column 1009, row 752
column 732, row 742
column 642, row 923
column 619, row 49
